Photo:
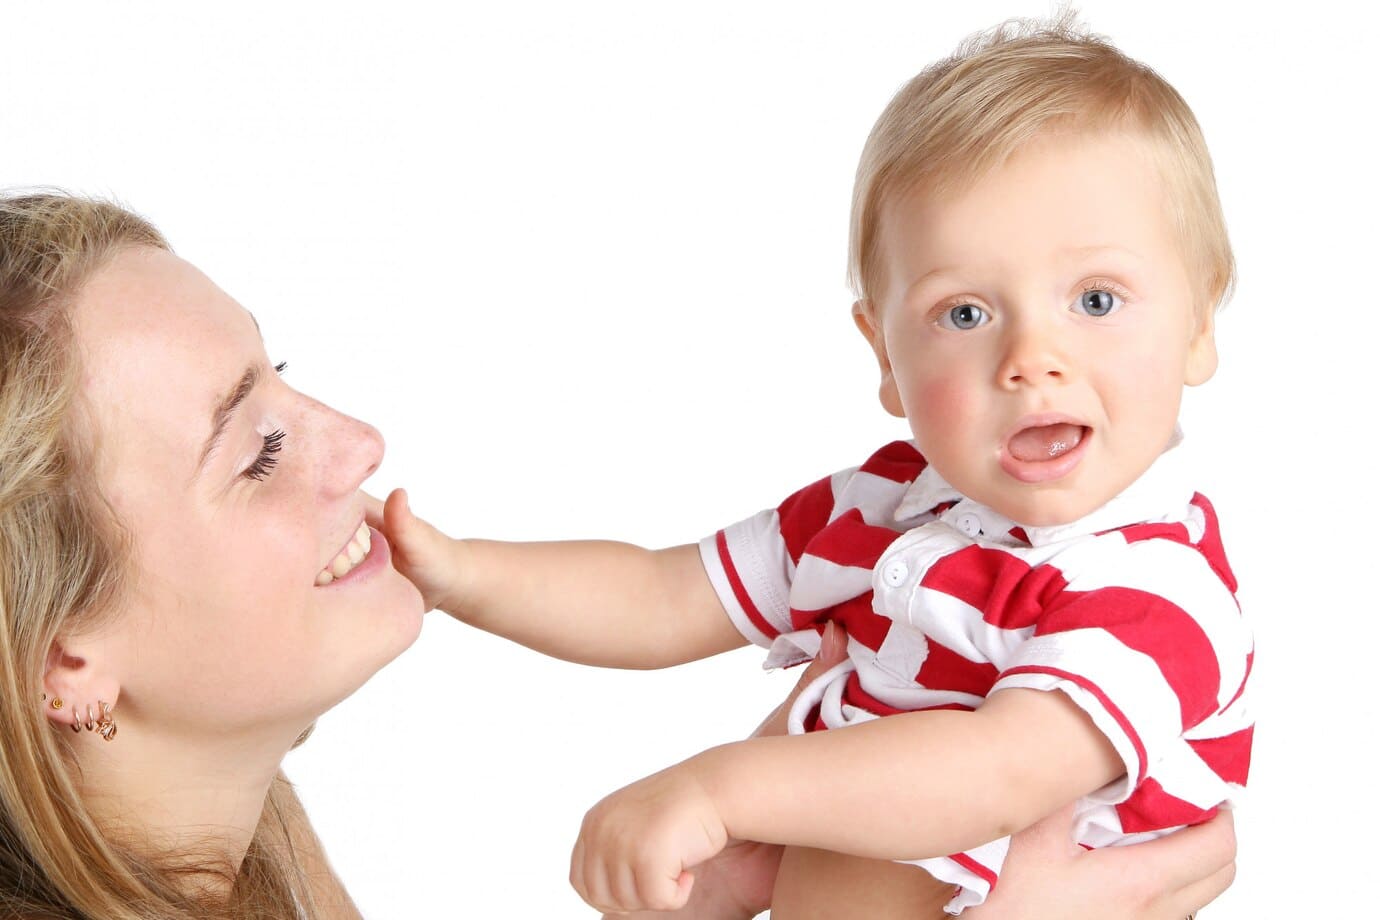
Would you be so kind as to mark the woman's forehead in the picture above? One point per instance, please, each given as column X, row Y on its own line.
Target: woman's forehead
column 159, row 344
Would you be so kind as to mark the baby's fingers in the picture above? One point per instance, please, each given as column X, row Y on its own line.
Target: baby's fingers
column 390, row 516
column 657, row 889
column 608, row 889
column 373, row 511
column 393, row 517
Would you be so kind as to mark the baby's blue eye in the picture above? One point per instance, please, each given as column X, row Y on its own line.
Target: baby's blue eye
column 1098, row 303
column 964, row 316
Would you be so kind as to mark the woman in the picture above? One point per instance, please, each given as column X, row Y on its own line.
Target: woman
column 186, row 583
column 167, row 510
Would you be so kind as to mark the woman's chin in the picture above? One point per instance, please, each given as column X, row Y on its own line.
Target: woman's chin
column 367, row 637
column 394, row 627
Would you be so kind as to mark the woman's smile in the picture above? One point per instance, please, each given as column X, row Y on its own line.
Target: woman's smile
column 366, row 552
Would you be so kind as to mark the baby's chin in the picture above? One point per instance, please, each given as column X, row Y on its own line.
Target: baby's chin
column 1041, row 504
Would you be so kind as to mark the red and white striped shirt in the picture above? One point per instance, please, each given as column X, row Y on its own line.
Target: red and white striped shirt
column 1131, row 611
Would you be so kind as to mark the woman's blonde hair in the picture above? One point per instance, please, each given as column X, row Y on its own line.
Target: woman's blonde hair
column 1004, row 87
column 64, row 562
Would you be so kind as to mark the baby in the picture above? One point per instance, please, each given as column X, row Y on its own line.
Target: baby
column 1036, row 601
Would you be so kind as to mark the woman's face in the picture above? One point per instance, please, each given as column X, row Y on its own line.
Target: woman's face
column 238, row 492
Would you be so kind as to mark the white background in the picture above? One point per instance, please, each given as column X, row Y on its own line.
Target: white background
column 583, row 265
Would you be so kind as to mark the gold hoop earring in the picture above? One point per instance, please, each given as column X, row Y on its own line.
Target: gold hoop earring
column 90, row 718
column 105, row 724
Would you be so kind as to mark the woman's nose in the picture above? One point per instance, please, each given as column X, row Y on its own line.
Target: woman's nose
column 355, row 450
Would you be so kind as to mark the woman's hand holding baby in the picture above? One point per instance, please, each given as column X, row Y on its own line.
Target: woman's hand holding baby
column 1047, row 875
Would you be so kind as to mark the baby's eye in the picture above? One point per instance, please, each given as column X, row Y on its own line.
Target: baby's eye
column 963, row 317
column 1097, row 302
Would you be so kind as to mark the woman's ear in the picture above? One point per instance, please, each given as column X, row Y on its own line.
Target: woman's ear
column 77, row 678
column 865, row 316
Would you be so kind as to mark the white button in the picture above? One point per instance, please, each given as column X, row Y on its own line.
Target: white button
column 895, row 573
column 969, row 524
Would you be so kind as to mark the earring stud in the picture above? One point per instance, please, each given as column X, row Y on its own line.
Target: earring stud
column 56, row 703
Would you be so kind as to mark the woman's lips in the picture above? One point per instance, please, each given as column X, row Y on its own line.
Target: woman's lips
column 1048, row 450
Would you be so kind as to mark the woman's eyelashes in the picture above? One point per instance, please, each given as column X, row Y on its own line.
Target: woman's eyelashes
column 264, row 463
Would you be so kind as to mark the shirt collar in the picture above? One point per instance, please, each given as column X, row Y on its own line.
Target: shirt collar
column 1161, row 491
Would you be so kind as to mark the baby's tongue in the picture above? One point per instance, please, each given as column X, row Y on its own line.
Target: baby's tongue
column 1044, row 442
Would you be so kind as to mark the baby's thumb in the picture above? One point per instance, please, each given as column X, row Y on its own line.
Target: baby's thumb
column 684, row 883
column 391, row 517
column 396, row 514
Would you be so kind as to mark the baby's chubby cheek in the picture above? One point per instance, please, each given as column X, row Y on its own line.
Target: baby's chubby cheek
column 938, row 409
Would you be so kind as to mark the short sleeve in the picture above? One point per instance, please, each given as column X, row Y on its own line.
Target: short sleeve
column 751, row 563
column 1150, row 647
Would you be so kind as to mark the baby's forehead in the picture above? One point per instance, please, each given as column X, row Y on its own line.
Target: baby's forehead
column 1084, row 178
column 1068, row 201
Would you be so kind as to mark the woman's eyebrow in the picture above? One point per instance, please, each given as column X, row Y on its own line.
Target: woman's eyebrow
column 225, row 409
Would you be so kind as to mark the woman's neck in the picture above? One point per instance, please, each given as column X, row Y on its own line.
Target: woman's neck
column 191, row 803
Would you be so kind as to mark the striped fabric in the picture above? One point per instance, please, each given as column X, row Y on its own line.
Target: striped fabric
column 1130, row 611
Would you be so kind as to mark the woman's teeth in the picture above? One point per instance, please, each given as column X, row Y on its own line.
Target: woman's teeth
column 349, row 557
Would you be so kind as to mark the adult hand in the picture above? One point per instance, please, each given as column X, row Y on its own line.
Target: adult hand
column 1047, row 876
column 737, row 884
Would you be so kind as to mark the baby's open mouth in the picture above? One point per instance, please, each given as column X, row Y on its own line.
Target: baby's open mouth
column 1041, row 443
column 349, row 557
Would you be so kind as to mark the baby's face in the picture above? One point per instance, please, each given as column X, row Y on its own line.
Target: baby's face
column 1037, row 330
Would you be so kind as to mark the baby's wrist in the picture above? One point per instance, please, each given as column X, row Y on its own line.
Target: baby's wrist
column 714, row 771
column 457, row 593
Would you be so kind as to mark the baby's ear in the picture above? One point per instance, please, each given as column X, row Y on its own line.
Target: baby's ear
column 869, row 324
column 1202, row 351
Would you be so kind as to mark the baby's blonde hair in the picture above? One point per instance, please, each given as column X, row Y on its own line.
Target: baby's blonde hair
column 1004, row 87
column 65, row 562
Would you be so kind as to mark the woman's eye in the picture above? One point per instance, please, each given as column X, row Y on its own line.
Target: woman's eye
column 263, row 464
column 1097, row 302
column 964, row 316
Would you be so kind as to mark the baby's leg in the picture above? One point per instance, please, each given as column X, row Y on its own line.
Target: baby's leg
column 819, row 885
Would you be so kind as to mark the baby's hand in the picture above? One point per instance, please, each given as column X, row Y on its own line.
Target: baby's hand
column 421, row 552
column 636, row 846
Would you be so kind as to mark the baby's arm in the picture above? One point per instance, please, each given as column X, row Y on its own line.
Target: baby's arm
column 593, row 602
column 973, row 776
